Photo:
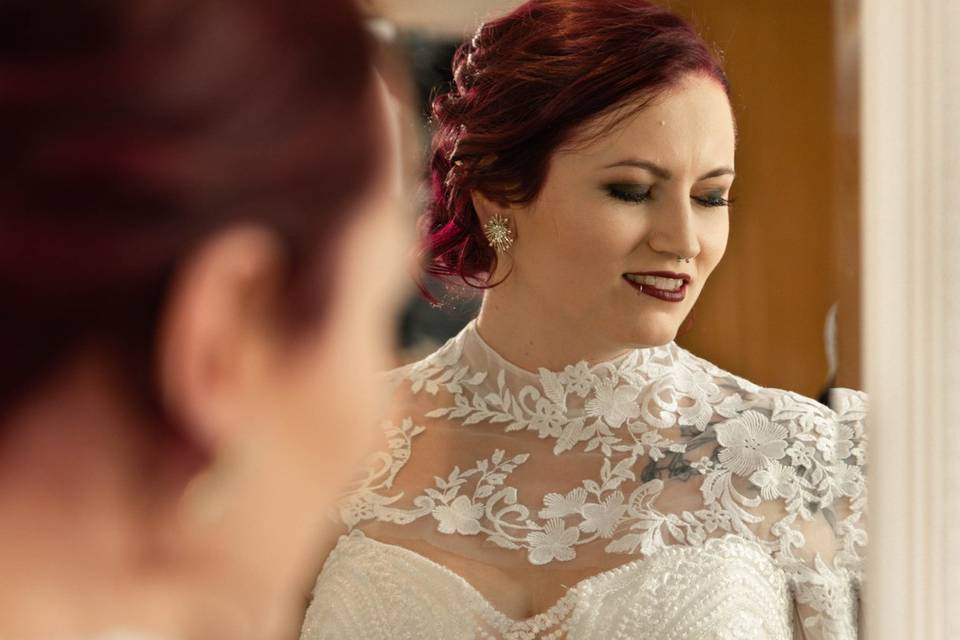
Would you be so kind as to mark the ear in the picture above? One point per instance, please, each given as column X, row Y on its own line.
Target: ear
column 484, row 206
column 215, row 330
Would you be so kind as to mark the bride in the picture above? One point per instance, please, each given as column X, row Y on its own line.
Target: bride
column 562, row 468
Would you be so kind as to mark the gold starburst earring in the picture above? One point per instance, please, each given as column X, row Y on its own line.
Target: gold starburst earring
column 498, row 233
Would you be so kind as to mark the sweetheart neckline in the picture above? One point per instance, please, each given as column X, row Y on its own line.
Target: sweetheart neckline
column 605, row 580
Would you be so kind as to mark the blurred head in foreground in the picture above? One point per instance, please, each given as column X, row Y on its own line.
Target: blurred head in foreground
column 200, row 258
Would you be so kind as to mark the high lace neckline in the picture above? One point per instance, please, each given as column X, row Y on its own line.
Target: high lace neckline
column 470, row 336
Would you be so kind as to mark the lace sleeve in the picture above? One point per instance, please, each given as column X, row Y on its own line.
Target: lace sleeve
column 823, row 533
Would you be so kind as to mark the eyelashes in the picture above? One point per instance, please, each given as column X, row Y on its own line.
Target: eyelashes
column 626, row 193
column 636, row 195
column 715, row 201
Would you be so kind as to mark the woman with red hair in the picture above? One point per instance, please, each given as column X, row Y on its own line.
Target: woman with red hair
column 198, row 249
column 562, row 468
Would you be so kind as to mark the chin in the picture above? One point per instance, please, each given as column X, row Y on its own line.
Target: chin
column 651, row 334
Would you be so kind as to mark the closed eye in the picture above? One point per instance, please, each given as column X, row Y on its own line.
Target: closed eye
column 628, row 193
column 714, row 201
column 636, row 194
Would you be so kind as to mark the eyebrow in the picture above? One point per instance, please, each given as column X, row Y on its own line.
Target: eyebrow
column 662, row 173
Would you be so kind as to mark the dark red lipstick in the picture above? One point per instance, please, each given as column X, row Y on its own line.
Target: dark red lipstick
column 666, row 295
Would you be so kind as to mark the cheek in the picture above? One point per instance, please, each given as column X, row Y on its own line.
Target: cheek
column 362, row 339
column 367, row 348
column 581, row 240
column 332, row 406
column 334, row 394
column 713, row 241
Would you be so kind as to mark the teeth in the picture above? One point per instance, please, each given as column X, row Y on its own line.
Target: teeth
column 666, row 284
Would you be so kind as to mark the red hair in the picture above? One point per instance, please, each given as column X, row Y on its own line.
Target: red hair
column 133, row 131
column 521, row 87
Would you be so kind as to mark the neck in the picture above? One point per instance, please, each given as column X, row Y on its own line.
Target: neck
column 78, row 552
column 528, row 335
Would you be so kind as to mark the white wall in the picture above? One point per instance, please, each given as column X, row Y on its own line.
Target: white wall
column 911, row 192
column 951, row 214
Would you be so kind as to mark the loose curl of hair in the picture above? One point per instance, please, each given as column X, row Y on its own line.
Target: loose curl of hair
column 520, row 88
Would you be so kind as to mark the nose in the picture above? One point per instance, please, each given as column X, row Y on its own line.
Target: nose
column 674, row 231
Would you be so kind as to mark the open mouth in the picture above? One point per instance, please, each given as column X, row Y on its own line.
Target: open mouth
column 667, row 287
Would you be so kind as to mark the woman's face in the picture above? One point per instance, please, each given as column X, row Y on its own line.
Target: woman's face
column 626, row 203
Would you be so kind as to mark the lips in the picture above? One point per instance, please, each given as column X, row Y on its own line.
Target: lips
column 663, row 285
column 667, row 280
column 657, row 282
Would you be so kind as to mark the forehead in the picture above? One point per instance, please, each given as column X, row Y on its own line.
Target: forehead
column 686, row 127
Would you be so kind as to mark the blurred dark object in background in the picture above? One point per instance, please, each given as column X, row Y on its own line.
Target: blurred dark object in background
column 423, row 325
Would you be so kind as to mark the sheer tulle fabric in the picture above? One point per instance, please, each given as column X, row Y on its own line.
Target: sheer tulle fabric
column 652, row 496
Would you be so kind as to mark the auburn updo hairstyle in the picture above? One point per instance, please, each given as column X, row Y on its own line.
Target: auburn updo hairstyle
column 135, row 130
column 520, row 87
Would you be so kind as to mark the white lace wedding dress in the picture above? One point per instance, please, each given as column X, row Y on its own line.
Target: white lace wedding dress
column 653, row 496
